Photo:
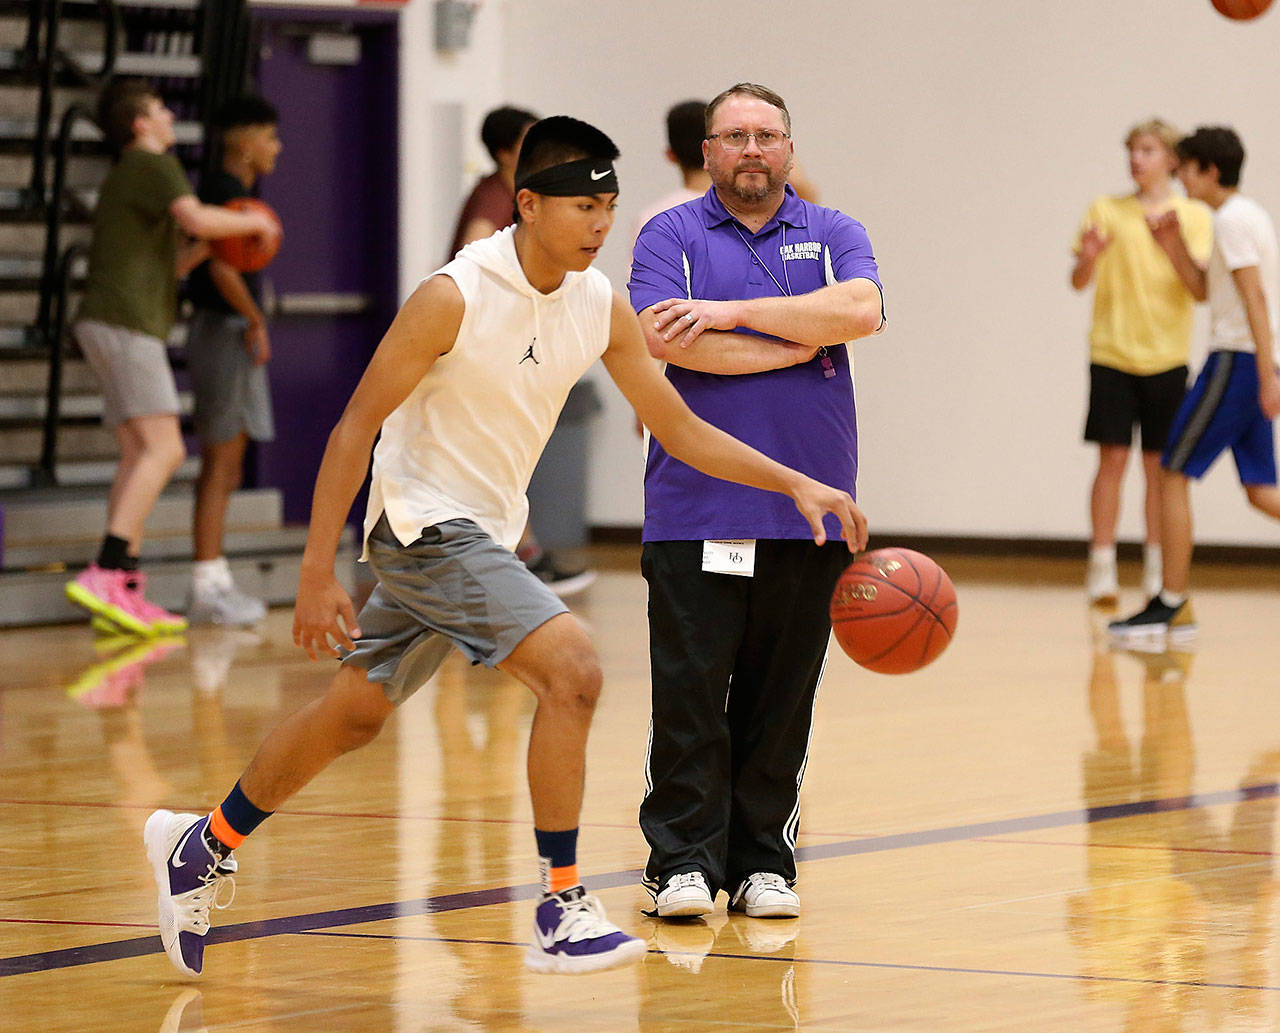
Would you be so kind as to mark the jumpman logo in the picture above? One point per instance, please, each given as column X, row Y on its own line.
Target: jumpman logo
column 529, row 354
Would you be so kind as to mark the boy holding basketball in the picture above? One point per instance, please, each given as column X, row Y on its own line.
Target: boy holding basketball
column 461, row 417
column 749, row 294
column 122, row 327
column 1237, row 394
column 227, row 352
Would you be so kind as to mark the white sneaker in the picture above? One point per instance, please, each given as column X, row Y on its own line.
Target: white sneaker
column 685, row 896
column 189, row 878
column 224, row 604
column 765, row 895
column 571, row 935
column 1102, row 584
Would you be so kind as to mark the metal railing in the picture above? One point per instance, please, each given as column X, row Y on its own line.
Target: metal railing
column 45, row 473
column 224, row 53
column 51, row 62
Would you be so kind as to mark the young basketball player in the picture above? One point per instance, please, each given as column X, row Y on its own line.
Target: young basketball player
column 465, row 389
column 1237, row 394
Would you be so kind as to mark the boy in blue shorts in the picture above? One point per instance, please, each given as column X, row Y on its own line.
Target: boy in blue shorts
column 1237, row 394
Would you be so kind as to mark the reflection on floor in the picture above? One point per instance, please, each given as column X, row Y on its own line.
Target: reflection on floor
column 984, row 844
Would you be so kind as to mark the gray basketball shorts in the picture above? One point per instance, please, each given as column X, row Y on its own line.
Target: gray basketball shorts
column 133, row 369
column 453, row 586
column 231, row 393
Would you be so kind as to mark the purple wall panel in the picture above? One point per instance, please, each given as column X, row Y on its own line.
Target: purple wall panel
column 335, row 191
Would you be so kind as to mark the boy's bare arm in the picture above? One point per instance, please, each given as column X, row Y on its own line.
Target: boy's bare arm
column 1249, row 283
column 424, row 329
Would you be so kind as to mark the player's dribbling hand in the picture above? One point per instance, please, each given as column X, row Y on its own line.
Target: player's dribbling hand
column 682, row 320
column 815, row 500
column 324, row 621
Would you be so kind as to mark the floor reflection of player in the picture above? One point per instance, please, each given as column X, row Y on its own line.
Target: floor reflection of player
column 685, row 958
column 113, row 686
column 479, row 788
column 1172, row 902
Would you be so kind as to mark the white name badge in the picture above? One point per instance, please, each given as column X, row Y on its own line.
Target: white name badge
column 730, row 557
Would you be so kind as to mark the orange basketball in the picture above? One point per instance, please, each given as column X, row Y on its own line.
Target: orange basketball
column 1241, row 10
column 893, row 610
column 247, row 254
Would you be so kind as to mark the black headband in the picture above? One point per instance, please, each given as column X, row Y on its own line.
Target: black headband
column 584, row 177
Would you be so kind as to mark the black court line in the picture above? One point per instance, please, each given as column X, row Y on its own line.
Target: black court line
column 902, row 966
column 92, row 954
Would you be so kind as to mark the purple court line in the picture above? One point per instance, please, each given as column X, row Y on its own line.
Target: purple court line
column 943, row 969
column 93, row 953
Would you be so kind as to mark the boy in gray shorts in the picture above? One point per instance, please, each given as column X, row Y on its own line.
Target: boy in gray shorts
column 124, row 320
column 227, row 352
column 461, row 421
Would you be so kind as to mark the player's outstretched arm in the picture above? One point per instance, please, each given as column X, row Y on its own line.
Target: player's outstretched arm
column 706, row 448
column 424, row 329
column 820, row 319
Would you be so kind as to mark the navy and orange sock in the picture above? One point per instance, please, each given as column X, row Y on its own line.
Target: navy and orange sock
column 232, row 821
column 558, row 854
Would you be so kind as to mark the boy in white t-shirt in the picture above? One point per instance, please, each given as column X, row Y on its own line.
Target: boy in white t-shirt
column 1237, row 394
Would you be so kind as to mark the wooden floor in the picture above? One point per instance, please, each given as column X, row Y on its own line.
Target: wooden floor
column 1035, row 833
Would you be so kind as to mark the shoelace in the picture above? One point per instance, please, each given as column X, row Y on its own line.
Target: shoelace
column 768, row 881
column 193, row 907
column 686, row 879
column 582, row 919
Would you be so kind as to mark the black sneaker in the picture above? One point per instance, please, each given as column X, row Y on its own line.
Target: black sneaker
column 561, row 581
column 1158, row 620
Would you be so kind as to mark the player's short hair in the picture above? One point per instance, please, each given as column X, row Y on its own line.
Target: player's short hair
column 502, row 128
column 685, row 129
column 747, row 89
column 1218, row 146
column 120, row 102
column 557, row 140
column 1160, row 129
column 246, row 110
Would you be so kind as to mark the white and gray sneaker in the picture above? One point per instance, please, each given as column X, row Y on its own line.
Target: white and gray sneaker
column 223, row 604
column 765, row 895
column 685, row 895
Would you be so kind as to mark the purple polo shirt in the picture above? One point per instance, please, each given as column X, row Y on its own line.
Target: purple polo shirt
column 794, row 415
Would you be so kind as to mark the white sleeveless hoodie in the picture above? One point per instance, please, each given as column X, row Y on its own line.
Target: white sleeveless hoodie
column 466, row 440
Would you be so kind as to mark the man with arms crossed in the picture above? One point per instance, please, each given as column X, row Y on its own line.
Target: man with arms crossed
column 749, row 294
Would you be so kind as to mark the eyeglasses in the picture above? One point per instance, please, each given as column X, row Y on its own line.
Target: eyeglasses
column 736, row 139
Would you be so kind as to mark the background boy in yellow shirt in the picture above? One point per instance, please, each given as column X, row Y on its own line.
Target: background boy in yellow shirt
column 1139, row 341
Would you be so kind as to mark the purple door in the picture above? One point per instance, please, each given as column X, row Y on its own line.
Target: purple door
column 331, row 292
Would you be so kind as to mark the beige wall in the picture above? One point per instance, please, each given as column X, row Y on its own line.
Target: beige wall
column 969, row 138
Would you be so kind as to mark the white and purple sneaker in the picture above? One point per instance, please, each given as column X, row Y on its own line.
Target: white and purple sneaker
column 571, row 935
column 189, row 878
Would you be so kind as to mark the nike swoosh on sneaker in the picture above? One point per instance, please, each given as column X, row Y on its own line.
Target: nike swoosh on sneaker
column 178, row 849
column 599, row 175
column 545, row 940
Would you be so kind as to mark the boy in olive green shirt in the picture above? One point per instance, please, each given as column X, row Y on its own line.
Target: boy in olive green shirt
column 125, row 316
